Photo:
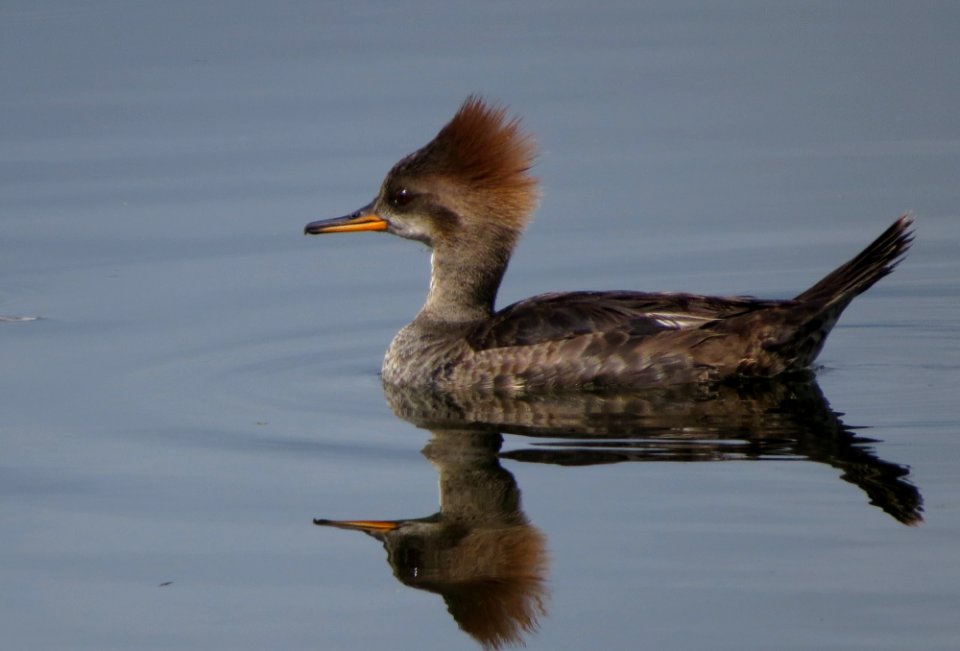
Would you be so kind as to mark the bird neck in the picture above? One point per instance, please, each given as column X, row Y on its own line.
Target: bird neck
column 465, row 278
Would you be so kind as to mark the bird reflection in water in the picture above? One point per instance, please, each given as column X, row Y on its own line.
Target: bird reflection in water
column 480, row 553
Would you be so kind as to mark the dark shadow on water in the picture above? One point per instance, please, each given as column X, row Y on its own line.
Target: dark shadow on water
column 480, row 553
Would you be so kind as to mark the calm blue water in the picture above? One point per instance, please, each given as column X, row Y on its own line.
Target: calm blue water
column 201, row 382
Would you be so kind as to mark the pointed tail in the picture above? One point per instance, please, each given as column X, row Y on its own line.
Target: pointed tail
column 859, row 274
column 815, row 311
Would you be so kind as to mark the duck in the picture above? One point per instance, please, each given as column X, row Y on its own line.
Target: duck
column 469, row 193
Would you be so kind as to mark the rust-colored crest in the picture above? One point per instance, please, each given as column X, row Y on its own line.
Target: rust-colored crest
column 485, row 151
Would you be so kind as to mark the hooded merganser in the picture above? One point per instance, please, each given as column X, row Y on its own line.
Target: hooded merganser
column 468, row 195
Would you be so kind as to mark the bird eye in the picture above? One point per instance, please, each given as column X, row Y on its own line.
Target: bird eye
column 400, row 197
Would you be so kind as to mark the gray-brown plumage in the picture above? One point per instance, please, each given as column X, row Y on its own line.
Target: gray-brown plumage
column 468, row 195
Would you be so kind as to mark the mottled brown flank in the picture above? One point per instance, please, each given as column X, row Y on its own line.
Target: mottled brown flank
column 488, row 154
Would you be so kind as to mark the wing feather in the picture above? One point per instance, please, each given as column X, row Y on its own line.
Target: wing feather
column 554, row 317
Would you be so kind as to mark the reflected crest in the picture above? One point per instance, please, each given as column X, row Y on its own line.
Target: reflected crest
column 478, row 552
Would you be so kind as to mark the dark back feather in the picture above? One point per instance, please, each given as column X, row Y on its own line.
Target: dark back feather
column 552, row 317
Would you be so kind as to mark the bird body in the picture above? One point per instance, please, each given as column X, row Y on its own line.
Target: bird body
column 468, row 195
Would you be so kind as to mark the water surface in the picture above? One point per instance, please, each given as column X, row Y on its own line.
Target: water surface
column 201, row 382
